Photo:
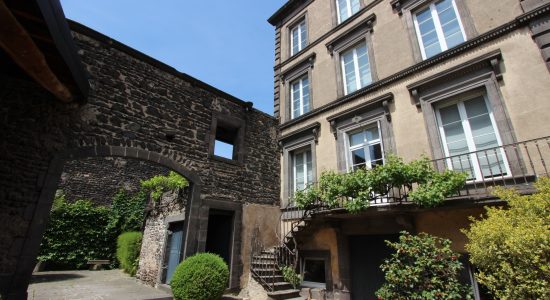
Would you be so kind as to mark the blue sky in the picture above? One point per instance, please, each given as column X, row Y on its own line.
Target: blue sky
column 227, row 44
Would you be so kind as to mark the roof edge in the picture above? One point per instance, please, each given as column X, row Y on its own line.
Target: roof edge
column 283, row 11
column 85, row 30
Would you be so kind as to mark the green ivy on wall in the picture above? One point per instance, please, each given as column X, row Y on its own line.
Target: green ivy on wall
column 161, row 184
column 355, row 190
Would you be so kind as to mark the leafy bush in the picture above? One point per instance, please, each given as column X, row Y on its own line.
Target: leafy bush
column 77, row 232
column 423, row 267
column 203, row 276
column 127, row 252
column 128, row 211
column 160, row 184
column 355, row 190
column 290, row 276
column 511, row 247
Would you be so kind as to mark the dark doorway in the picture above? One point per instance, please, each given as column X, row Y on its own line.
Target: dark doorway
column 367, row 253
column 220, row 232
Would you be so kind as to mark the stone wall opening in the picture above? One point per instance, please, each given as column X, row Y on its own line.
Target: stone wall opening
column 99, row 178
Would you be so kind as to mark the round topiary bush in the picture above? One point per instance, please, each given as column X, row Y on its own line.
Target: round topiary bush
column 203, row 276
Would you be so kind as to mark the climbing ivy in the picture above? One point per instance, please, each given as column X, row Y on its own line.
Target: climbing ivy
column 161, row 184
column 356, row 189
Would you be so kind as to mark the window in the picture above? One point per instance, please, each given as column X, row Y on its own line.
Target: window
column 298, row 37
column 365, row 148
column 356, row 68
column 438, row 27
column 314, row 272
column 469, row 126
column 227, row 136
column 299, row 97
column 346, row 8
column 302, row 169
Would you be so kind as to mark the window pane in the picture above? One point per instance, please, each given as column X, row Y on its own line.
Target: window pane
column 358, row 157
column 364, row 65
column 375, row 152
column 356, row 139
column 309, row 167
column 349, row 70
column 355, row 6
column 449, row 23
column 304, row 35
column 295, row 41
column 372, row 133
column 424, row 15
column 475, row 107
column 343, row 9
column 454, row 132
column 449, row 114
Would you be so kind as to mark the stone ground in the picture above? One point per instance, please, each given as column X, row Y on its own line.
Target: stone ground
column 90, row 285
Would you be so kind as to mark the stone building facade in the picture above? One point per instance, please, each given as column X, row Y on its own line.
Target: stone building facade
column 99, row 178
column 136, row 108
column 356, row 80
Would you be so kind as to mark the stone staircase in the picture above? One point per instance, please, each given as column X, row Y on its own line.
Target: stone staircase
column 266, row 271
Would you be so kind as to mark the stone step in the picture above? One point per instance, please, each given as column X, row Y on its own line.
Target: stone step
column 263, row 264
column 267, row 272
column 284, row 294
column 270, row 279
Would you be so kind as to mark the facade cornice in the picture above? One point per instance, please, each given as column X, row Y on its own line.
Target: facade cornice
column 442, row 57
column 328, row 34
column 311, row 129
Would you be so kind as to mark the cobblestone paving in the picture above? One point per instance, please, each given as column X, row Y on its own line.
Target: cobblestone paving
column 90, row 285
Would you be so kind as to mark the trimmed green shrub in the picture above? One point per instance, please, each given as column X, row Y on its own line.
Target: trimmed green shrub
column 511, row 247
column 203, row 276
column 423, row 267
column 127, row 252
column 77, row 232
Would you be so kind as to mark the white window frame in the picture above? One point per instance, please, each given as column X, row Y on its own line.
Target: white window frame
column 348, row 8
column 438, row 27
column 298, row 29
column 478, row 175
column 300, row 80
column 302, row 152
column 365, row 145
column 355, row 67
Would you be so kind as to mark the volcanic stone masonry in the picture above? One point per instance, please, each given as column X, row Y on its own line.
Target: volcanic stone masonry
column 138, row 108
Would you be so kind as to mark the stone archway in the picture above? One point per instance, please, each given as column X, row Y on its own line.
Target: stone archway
column 138, row 108
column 41, row 212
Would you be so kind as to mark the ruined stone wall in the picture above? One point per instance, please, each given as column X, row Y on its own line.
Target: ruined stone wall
column 137, row 108
column 169, row 207
column 99, row 178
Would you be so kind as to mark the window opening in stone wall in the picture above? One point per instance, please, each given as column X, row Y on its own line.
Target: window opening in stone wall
column 314, row 272
column 226, row 141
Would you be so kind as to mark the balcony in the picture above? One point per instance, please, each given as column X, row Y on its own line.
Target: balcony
column 516, row 165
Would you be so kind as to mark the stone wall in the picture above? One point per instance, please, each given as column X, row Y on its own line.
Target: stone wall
column 169, row 207
column 99, row 178
column 137, row 108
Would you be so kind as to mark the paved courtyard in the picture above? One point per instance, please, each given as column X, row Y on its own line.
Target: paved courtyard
column 88, row 285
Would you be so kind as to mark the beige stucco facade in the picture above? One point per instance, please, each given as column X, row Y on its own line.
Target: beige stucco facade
column 501, row 40
column 526, row 101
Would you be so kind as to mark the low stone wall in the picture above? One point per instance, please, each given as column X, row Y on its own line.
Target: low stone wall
column 170, row 206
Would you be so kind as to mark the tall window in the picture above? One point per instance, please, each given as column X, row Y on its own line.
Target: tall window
column 356, row 68
column 346, row 8
column 469, row 126
column 299, row 97
column 302, row 169
column 298, row 37
column 365, row 148
column 438, row 28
